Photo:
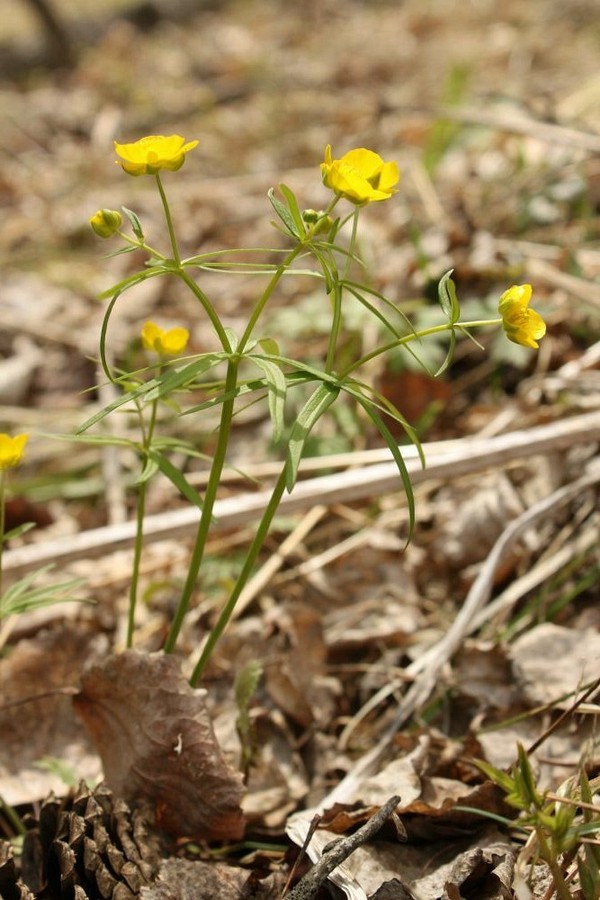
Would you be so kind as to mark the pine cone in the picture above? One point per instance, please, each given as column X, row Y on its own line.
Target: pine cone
column 88, row 847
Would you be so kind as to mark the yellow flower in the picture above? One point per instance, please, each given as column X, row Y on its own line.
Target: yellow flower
column 11, row 450
column 522, row 325
column 170, row 342
column 106, row 222
column 360, row 176
column 150, row 154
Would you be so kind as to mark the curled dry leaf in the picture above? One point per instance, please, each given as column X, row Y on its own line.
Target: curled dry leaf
column 157, row 745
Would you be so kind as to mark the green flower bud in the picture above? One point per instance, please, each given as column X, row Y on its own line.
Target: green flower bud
column 106, row 222
column 320, row 222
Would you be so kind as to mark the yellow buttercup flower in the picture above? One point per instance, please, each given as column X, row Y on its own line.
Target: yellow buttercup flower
column 167, row 342
column 360, row 176
column 522, row 325
column 11, row 450
column 150, row 154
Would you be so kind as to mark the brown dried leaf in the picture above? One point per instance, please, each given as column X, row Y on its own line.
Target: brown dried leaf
column 31, row 728
column 157, row 744
column 549, row 661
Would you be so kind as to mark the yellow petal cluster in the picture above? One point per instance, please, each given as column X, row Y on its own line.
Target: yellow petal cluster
column 11, row 450
column 522, row 325
column 152, row 153
column 360, row 176
column 167, row 342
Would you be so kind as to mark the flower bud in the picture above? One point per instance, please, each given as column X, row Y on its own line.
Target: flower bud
column 106, row 222
column 320, row 223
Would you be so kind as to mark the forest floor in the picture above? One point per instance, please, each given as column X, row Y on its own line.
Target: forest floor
column 383, row 669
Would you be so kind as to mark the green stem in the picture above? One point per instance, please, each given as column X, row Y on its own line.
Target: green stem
column 242, row 579
column 209, row 502
column 260, row 305
column 147, row 435
column 137, row 557
column 336, row 322
column 415, row 336
column 550, row 856
column 141, row 245
column 13, row 817
column 208, row 309
column 169, row 220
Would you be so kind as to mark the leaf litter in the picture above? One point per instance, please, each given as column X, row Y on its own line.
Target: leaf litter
column 344, row 624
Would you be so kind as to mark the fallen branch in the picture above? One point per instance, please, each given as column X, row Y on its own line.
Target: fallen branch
column 444, row 461
column 338, row 851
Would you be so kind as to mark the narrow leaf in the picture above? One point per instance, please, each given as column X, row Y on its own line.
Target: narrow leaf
column 277, row 390
column 17, row 532
column 310, row 413
column 177, row 478
column 136, row 225
column 293, row 208
column 448, row 299
column 284, row 214
column 150, row 469
column 390, row 440
column 269, row 345
column 449, row 354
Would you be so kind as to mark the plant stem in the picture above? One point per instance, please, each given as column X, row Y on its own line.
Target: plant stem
column 169, row 220
column 550, row 856
column 141, row 245
column 338, row 290
column 414, row 336
column 242, row 579
column 208, row 308
column 137, row 557
column 209, row 502
column 260, row 305
column 147, row 435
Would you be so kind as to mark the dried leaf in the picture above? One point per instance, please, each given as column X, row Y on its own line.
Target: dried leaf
column 549, row 661
column 157, row 744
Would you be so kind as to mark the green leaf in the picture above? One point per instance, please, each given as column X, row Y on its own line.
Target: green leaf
column 448, row 299
column 269, row 345
column 310, row 413
column 449, row 355
column 176, row 477
column 136, row 225
column 17, row 532
column 294, row 210
column 232, row 338
column 390, row 440
column 277, row 390
column 156, row 388
column 131, row 281
column 22, row 596
column 150, row 469
column 284, row 214
column 173, row 379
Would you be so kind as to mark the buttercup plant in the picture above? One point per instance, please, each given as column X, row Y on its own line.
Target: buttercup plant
column 318, row 240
